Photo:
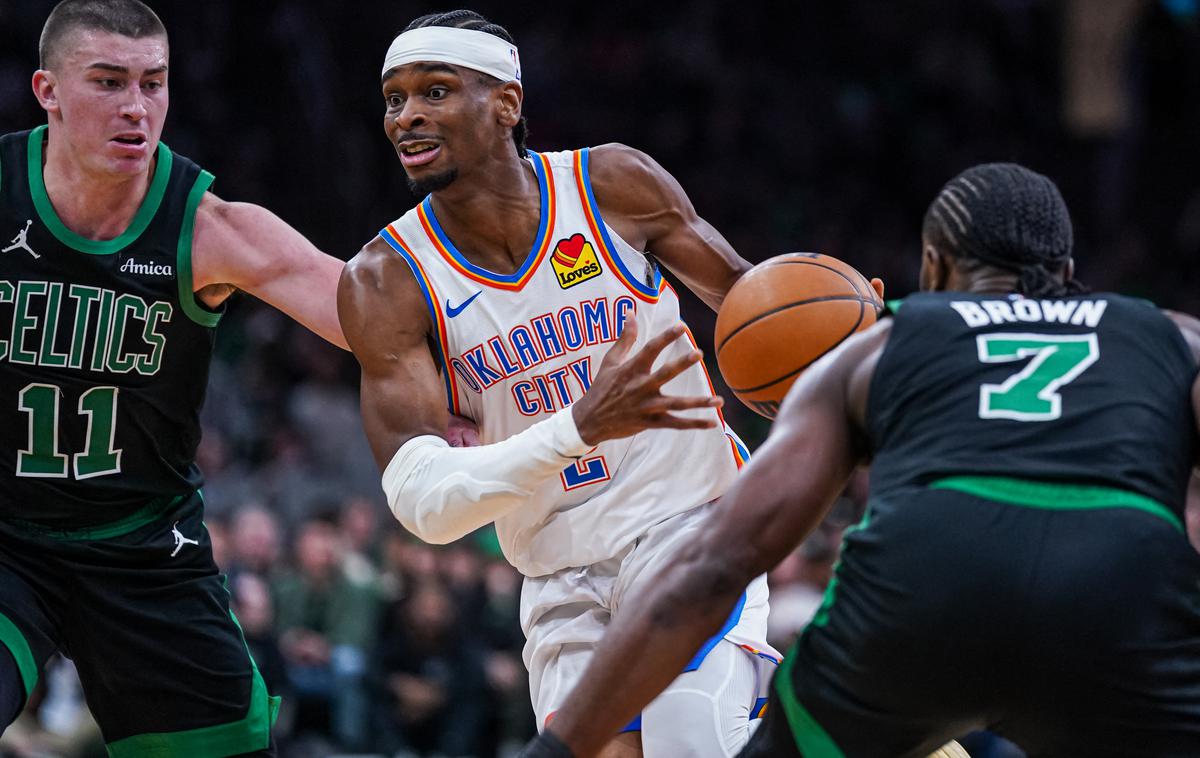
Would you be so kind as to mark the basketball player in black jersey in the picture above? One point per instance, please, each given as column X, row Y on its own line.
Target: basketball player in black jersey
column 115, row 261
column 1022, row 564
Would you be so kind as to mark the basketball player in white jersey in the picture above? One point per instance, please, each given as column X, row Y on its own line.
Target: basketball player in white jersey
column 522, row 282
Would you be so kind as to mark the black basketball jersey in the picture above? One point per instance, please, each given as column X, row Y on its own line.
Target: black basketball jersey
column 104, row 350
column 1090, row 389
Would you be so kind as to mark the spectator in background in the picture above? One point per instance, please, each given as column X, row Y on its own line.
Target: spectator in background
column 255, row 613
column 290, row 480
column 358, row 523
column 499, row 630
column 431, row 678
column 327, row 622
column 228, row 480
column 218, row 532
column 254, row 543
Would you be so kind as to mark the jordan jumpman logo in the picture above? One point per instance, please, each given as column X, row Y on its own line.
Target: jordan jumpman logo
column 180, row 540
column 19, row 242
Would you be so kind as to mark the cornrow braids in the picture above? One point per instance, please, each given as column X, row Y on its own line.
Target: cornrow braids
column 1004, row 215
column 467, row 19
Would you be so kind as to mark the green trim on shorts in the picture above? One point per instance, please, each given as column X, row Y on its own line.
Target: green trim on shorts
column 1055, row 496
column 134, row 521
column 811, row 739
column 245, row 736
column 12, row 638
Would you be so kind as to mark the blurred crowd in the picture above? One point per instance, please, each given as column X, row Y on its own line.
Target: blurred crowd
column 824, row 126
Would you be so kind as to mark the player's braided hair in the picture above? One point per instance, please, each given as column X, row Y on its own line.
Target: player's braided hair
column 129, row 18
column 465, row 19
column 1004, row 215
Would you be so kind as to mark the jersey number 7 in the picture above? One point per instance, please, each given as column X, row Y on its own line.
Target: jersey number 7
column 1031, row 394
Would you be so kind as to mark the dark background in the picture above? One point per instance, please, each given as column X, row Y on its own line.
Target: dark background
column 821, row 126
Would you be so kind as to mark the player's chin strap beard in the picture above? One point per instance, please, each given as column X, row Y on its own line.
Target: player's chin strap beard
column 426, row 185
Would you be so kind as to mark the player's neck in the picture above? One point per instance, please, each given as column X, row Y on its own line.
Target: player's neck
column 985, row 282
column 492, row 213
column 94, row 206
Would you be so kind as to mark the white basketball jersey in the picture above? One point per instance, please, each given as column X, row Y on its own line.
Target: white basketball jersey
column 516, row 348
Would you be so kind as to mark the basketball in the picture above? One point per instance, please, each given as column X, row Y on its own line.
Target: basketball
column 783, row 315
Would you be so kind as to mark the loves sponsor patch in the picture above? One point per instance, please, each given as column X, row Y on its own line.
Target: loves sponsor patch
column 574, row 261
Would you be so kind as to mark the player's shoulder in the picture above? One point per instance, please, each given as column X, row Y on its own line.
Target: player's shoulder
column 377, row 270
column 606, row 156
column 627, row 180
column 218, row 221
column 377, row 285
column 614, row 160
column 371, row 262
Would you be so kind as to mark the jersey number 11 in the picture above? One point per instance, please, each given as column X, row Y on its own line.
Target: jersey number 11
column 41, row 458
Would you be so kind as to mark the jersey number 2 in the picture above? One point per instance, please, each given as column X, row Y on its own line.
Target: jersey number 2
column 1031, row 394
column 41, row 457
column 585, row 471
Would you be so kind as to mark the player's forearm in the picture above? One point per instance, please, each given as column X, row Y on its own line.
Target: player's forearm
column 440, row 493
column 645, row 650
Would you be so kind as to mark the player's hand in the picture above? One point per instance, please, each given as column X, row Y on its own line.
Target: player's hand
column 626, row 396
column 546, row 745
column 877, row 285
column 462, row 432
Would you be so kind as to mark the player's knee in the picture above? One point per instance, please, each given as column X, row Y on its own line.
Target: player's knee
column 704, row 713
column 693, row 724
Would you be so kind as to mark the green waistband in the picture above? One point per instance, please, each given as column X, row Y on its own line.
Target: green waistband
column 1055, row 496
column 139, row 518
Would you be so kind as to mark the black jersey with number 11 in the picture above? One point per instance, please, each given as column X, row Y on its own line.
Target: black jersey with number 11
column 104, row 350
column 1090, row 389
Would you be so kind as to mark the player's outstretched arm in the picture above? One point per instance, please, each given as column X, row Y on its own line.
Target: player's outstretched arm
column 246, row 247
column 649, row 209
column 777, row 500
column 441, row 493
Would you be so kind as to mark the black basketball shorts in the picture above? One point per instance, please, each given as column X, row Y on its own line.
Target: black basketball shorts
column 1073, row 630
column 140, row 607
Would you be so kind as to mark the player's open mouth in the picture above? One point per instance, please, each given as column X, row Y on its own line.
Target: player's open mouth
column 418, row 153
column 131, row 143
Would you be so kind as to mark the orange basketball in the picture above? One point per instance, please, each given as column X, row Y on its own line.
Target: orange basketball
column 782, row 315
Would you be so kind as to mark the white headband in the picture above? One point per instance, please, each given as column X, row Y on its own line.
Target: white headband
column 468, row 48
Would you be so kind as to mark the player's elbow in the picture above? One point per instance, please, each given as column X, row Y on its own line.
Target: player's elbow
column 434, row 534
column 423, row 522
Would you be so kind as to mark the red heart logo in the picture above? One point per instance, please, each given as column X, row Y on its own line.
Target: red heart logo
column 569, row 249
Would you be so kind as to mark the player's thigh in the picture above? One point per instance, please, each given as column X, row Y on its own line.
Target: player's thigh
column 708, row 712
column 163, row 664
column 564, row 616
column 28, row 635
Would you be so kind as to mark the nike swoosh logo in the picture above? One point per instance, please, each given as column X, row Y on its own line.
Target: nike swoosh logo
column 452, row 311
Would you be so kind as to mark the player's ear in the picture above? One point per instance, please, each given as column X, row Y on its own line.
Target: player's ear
column 508, row 104
column 44, row 85
column 935, row 268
